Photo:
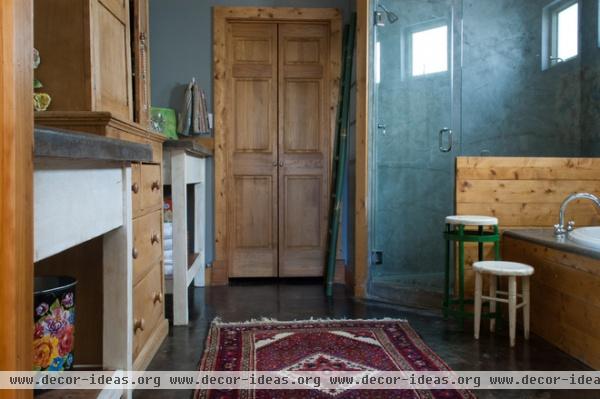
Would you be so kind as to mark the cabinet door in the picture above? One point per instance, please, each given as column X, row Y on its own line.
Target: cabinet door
column 251, row 126
column 304, row 148
column 140, row 43
column 111, row 57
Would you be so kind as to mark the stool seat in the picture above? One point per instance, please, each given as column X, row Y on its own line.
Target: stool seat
column 472, row 220
column 502, row 268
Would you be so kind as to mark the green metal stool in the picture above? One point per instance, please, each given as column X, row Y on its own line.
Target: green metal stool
column 461, row 229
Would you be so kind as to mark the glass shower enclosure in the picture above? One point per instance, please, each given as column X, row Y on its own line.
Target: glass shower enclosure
column 415, row 136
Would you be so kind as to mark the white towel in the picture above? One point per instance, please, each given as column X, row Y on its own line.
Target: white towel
column 168, row 256
column 168, row 230
column 168, row 270
column 168, row 244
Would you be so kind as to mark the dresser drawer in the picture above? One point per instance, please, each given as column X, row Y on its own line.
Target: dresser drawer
column 136, row 189
column 148, row 307
column 147, row 243
column 151, row 187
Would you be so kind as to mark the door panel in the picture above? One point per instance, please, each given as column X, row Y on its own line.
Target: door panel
column 301, row 113
column 252, row 156
column 304, row 148
column 251, row 127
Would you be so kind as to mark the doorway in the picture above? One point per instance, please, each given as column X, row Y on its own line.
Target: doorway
column 276, row 92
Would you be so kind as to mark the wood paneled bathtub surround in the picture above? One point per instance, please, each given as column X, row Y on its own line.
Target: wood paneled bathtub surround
column 565, row 300
column 16, row 188
column 276, row 85
column 524, row 192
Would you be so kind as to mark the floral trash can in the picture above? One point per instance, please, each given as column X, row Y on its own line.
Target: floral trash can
column 54, row 323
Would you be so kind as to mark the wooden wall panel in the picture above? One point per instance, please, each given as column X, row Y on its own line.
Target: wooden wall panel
column 565, row 303
column 524, row 193
column 16, row 189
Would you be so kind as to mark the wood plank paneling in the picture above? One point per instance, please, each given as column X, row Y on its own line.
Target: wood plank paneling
column 524, row 193
column 565, row 301
column 16, row 189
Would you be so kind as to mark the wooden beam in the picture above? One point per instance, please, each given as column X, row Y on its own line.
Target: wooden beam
column 16, row 192
column 361, row 242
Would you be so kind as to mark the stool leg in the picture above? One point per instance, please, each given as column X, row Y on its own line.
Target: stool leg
column 480, row 245
column 461, row 275
column 446, row 305
column 496, row 245
column 512, row 308
column 526, row 307
column 493, row 283
column 477, row 311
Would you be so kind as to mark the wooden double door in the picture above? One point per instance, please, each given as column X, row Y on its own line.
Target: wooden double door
column 278, row 133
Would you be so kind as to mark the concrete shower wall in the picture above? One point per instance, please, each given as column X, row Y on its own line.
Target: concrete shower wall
column 509, row 105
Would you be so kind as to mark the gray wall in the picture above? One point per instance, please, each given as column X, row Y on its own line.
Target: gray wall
column 509, row 105
column 590, row 85
column 181, row 48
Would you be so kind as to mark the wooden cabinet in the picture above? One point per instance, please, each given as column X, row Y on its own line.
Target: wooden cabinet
column 140, row 50
column 86, row 55
column 150, row 326
column 278, row 132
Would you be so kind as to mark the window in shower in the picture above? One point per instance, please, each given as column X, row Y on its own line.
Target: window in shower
column 428, row 50
column 561, row 32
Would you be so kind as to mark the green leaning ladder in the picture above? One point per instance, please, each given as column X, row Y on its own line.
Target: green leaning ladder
column 340, row 150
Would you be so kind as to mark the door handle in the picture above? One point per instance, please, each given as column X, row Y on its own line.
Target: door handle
column 448, row 147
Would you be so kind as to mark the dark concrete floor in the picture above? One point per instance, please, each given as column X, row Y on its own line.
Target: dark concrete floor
column 299, row 300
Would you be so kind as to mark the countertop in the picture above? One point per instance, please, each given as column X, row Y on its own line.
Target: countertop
column 194, row 146
column 58, row 143
column 547, row 238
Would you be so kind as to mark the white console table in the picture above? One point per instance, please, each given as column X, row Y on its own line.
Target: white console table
column 185, row 166
column 82, row 186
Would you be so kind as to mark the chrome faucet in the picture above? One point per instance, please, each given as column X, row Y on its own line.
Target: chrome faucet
column 560, row 229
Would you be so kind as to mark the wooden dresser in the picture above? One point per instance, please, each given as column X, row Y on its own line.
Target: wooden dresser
column 150, row 324
column 95, row 65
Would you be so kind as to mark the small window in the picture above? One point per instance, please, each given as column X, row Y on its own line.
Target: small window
column 567, row 32
column 429, row 51
column 561, row 32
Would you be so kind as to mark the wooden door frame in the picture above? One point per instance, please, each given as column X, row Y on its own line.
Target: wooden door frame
column 16, row 189
column 221, row 16
column 361, row 221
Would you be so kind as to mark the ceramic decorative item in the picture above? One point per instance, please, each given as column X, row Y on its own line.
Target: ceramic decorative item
column 41, row 101
column 54, row 323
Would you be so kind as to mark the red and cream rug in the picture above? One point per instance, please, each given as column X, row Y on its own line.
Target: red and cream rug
column 333, row 345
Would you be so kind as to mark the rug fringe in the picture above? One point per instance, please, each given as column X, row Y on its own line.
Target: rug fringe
column 217, row 321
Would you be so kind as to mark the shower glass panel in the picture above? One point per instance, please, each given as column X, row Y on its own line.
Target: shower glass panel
column 415, row 136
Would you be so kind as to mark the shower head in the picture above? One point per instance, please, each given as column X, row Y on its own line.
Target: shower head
column 390, row 15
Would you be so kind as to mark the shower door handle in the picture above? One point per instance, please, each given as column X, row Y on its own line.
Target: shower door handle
column 443, row 132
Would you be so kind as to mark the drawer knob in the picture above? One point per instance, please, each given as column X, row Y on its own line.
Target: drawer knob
column 134, row 253
column 158, row 297
column 138, row 324
column 155, row 185
column 154, row 239
column 135, row 188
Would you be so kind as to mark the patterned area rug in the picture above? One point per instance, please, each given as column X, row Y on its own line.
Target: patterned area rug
column 340, row 345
